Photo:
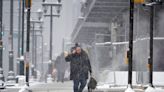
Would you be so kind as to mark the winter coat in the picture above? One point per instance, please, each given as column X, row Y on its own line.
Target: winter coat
column 60, row 64
column 79, row 65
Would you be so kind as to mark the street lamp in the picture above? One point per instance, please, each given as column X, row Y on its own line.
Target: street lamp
column 21, row 39
column 51, row 15
column 1, row 45
column 11, row 75
column 45, row 8
column 58, row 8
column 34, row 40
column 39, row 14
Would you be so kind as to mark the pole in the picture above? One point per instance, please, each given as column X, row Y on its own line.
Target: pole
column 151, row 44
column 1, row 42
column 42, row 56
column 130, row 56
column 19, row 35
column 51, row 33
column 28, row 41
column 21, row 64
column 51, row 37
column 33, row 49
column 19, row 28
column 35, row 63
column 11, row 63
column 1, row 30
column 11, row 52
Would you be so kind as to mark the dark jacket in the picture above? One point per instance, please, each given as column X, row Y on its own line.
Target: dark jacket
column 79, row 65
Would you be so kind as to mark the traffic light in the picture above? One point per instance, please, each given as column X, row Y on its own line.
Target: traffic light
column 139, row 1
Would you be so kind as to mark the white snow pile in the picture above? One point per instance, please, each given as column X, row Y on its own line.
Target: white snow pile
column 150, row 89
column 129, row 89
column 25, row 89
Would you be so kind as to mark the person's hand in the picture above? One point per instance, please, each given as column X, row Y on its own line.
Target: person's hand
column 74, row 51
column 66, row 53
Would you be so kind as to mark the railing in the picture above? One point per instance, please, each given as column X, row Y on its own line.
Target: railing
column 85, row 6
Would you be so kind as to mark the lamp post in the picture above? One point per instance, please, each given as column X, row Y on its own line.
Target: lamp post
column 33, row 48
column 28, row 7
column 40, row 55
column 1, row 42
column 11, row 75
column 40, row 15
column 51, row 15
column 34, row 42
column 19, row 35
column 21, row 63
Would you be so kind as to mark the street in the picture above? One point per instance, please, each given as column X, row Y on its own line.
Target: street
column 53, row 87
column 67, row 87
column 63, row 87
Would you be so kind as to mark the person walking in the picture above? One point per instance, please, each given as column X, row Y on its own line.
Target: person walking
column 61, row 67
column 79, row 67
